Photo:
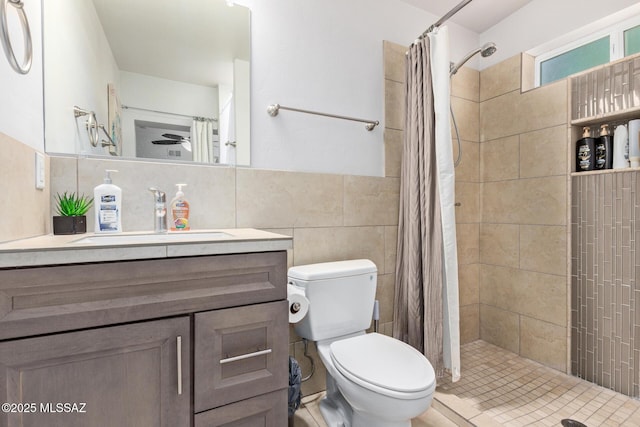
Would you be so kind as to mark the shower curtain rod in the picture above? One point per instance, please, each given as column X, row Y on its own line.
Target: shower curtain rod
column 126, row 107
column 448, row 15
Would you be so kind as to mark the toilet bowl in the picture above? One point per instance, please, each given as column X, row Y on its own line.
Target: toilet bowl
column 372, row 380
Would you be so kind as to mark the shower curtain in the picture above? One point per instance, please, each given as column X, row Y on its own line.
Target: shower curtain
column 426, row 311
column 202, row 140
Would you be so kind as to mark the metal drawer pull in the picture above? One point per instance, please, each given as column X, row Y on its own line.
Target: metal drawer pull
column 245, row 356
column 179, row 349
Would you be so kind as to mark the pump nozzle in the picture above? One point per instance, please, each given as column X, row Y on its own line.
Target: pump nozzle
column 179, row 193
column 107, row 175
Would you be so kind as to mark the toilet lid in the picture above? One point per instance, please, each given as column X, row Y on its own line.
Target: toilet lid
column 383, row 362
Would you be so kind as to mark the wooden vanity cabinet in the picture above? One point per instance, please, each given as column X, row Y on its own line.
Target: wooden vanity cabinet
column 113, row 376
column 166, row 342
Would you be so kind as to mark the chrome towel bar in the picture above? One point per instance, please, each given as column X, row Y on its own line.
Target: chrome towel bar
column 273, row 110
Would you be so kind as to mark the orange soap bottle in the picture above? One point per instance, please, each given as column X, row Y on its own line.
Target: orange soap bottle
column 180, row 211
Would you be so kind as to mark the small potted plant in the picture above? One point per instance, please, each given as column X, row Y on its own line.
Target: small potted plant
column 72, row 209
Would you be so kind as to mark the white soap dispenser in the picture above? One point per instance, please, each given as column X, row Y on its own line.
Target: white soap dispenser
column 108, row 205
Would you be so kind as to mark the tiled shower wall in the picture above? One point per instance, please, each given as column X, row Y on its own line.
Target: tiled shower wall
column 605, row 293
column 523, row 230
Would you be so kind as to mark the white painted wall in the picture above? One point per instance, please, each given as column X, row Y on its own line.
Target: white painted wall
column 79, row 75
column 542, row 21
column 21, row 106
column 164, row 95
column 326, row 55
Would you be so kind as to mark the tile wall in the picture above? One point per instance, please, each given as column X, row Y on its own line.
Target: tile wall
column 26, row 209
column 523, row 227
column 605, row 269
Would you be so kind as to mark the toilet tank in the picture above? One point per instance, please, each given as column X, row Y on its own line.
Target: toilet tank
column 341, row 296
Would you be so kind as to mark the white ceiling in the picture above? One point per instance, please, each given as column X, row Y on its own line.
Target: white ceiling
column 477, row 16
column 191, row 41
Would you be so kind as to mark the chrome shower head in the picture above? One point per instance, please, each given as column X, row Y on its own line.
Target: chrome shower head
column 486, row 50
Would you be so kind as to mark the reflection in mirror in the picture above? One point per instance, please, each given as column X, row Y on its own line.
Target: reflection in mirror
column 167, row 79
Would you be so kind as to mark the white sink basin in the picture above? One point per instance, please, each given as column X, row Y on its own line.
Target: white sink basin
column 116, row 239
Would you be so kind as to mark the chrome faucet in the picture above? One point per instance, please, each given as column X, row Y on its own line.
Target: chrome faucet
column 159, row 210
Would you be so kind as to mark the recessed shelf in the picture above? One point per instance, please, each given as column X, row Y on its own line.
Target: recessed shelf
column 605, row 171
column 617, row 116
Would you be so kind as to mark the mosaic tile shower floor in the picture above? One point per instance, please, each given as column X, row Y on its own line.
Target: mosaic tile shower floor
column 500, row 388
column 515, row 391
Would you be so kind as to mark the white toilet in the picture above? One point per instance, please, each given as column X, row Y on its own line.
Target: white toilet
column 372, row 380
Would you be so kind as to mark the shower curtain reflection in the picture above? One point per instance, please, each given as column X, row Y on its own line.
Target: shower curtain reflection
column 205, row 145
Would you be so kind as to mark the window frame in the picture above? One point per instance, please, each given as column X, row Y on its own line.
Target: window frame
column 585, row 36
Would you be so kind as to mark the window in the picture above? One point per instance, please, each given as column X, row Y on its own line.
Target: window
column 581, row 58
column 632, row 41
column 599, row 46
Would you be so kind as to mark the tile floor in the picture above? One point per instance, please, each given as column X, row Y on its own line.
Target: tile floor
column 499, row 388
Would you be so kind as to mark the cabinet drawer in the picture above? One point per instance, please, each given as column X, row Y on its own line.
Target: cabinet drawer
column 41, row 300
column 240, row 353
column 267, row 410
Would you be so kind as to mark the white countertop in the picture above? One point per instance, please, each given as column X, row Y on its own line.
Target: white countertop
column 52, row 250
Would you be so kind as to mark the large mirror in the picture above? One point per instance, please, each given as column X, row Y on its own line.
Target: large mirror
column 161, row 79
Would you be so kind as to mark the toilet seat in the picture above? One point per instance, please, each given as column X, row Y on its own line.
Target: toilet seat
column 384, row 365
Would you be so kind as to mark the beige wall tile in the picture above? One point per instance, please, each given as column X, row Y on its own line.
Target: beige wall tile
column 538, row 295
column 394, row 105
column 543, row 248
column 467, row 116
column 394, row 61
column 469, row 167
column 528, row 72
column 466, row 84
column 63, row 177
column 544, row 152
column 500, row 159
column 525, row 201
column 390, row 249
column 500, row 327
column 469, row 284
column 469, row 323
column 384, row 294
column 275, row 199
column 543, row 342
column 515, row 113
column 501, row 78
column 468, row 243
column 210, row 190
column 312, row 245
column 371, row 200
column 29, row 214
column 468, row 195
column 499, row 244
column 392, row 152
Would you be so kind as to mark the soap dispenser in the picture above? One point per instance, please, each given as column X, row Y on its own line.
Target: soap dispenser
column 604, row 147
column 585, row 151
column 180, row 211
column 108, row 205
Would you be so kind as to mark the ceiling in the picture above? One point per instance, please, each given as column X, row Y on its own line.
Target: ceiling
column 191, row 41
column 477, row 16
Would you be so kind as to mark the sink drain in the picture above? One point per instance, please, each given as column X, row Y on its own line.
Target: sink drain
column 571, row 423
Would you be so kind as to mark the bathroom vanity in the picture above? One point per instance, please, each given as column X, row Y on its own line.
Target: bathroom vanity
column 111, row 339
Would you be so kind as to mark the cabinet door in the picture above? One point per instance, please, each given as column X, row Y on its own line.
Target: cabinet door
column 240, row 353
column 267, row 410
column 116, row 376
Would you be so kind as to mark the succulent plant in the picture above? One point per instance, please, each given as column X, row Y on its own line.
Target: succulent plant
column 69, row 204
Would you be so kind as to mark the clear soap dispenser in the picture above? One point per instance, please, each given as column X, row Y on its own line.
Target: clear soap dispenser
column 180, row 211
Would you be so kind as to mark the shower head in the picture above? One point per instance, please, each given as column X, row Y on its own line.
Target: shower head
column 486, row 50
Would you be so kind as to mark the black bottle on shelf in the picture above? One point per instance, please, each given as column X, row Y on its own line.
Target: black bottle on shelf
column 585, row 151
column 604, row 149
